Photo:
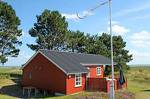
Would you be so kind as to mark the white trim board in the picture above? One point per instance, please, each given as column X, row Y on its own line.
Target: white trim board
column 77, row 73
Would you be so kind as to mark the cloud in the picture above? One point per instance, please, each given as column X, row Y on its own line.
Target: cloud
column 119, row 29
column 87, row 13
column 132, row 10
column 113, row 22
column 141, row 17
column 75, row 17
column 141, row 39
column 23, row 36
column 70, row 16
column 140, row 57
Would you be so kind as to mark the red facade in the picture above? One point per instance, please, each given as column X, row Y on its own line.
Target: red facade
column 70, row 85
column 43, row 74
column 97, row 84
column 93, row 71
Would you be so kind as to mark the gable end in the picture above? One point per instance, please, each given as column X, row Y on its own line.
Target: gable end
column 46, row 58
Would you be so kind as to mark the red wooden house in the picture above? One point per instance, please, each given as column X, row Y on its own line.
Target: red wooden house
column 65, row 72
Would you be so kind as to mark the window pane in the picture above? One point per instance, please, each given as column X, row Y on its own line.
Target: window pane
column 78, row 79
column 98, row 70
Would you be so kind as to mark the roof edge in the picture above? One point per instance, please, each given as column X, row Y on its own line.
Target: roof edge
column 88, row 64
column 77, row 73
column 53, row 63
column 29, row 60
column 45, row 57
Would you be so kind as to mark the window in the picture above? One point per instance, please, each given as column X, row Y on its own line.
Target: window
column 78, row 80
column 30, row 75
column 98, row 70
column 88, row 72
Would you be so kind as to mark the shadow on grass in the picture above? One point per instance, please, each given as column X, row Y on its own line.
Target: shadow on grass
column 148, row 90
column 12, row 90
column 16, row 91
column 15, row 75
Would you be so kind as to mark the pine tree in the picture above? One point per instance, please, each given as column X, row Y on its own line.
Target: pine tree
column 9, row 32
column 49, row 31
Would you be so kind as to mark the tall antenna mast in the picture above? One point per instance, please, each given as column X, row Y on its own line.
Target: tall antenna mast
column 112, row 91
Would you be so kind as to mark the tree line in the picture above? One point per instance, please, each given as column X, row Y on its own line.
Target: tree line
column 51, row 32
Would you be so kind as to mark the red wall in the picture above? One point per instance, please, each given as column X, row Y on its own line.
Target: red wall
column 45, row 75
column 97, row 84
column 71, row 84
column 93, row 73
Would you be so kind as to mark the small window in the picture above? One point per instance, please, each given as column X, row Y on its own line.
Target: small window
column 98, row 70
column 78, row 80
column 30, row 75
column 88, row 75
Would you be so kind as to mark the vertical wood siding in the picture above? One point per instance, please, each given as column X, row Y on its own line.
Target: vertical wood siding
column 41, row 73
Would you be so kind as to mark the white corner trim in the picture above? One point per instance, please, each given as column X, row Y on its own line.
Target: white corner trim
column 46, row 58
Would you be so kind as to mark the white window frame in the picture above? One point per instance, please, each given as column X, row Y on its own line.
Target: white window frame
column 98, row 71
column 88, row 75
column 78, row 76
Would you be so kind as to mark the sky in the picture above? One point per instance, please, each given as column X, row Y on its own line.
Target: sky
column 130, row 19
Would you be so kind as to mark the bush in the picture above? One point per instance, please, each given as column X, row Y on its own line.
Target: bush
column 4, row 76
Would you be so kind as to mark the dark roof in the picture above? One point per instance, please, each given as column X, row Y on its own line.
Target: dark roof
column 73, row 62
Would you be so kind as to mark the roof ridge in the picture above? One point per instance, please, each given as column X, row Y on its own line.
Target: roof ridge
column 73, row 52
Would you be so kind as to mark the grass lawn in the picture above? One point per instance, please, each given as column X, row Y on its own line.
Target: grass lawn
column 9, row 82
column 6, row 97
column 138, row 85
column 139, row 82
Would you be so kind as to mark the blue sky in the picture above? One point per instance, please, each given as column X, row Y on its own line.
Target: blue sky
column 130, row 20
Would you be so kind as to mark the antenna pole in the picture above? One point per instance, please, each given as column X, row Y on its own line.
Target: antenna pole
column 112, row 92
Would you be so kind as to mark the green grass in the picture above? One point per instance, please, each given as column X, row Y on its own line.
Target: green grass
column 7, row 73
column 6, row 97
column 138, row 85
column 139, row 82
column 8, row 82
